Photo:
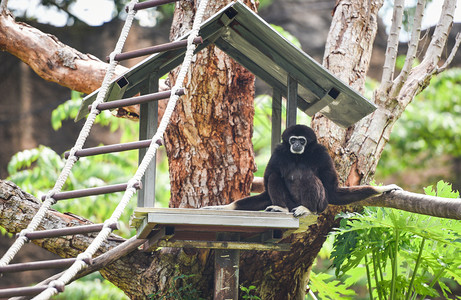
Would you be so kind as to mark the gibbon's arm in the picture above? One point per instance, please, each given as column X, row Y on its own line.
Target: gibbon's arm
column 347, row 195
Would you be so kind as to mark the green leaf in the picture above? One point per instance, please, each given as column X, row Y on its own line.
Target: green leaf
column 327, row 288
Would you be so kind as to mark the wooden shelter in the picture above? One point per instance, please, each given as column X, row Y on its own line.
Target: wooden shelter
column 290, row 72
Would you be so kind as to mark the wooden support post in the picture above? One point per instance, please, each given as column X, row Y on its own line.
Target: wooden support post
column 226, row 269
column 148, row 122
column 292, row 100
column 276, row 118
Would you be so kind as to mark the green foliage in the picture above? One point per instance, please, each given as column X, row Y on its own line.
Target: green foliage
column 67, row 110
column 429, row 127
column 291, row 38
column 180, row 289
column 325, row 287
column 91, row 287
column 247, row 292
column 403, row 254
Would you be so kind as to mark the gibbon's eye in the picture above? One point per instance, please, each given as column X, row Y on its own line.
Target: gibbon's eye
column 297, row 139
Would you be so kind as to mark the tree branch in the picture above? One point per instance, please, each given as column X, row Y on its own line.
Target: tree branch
column 452, row 54
column 51, row 59
column 412, row 48
column 392, row 46
column 59, row 63
column 17, row 209
column 440, row 36
column 3, row 7
column 418, row 203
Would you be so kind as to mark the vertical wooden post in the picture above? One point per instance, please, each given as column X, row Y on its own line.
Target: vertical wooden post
column 226, row 269
column 148, row 122
column 276, row 118
column 292, row 100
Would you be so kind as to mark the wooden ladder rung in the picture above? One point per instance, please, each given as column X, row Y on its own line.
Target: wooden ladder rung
column 92, row 191
column 136, row 100
column 111, row 148
column 149, row 4
column 26, row 291
column 154, row 49
column 43, row 234
column 41, row 265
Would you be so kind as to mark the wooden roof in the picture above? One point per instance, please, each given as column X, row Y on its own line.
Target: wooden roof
column 252, row 42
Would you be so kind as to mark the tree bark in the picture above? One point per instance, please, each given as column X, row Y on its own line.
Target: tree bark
column 51, row 59
column 208, row 140
column 56, row 62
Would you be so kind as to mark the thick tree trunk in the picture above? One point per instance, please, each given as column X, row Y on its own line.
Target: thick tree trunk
column 208, row 141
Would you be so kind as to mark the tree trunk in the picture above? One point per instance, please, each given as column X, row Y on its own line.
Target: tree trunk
column 208, row 140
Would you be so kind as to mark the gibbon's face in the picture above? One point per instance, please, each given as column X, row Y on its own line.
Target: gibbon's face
column 298, row 137
column 297, row 144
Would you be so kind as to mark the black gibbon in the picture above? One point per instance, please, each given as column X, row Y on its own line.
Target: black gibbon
column 301, row 178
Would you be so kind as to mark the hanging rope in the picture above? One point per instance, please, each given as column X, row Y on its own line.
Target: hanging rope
column 150, row 153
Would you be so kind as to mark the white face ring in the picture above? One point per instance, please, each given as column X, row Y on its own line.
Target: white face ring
column 295, row 151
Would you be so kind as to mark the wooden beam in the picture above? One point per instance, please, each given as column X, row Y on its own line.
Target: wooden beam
column 226, row 269
column 292, row 100
column 276, row 118
column 148, row 121
column 321, row 103
column 224, row 245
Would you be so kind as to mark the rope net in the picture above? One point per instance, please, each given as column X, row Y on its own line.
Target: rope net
column 102, row 236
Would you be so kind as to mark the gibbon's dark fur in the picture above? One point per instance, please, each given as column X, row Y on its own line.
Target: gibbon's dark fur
column 301, row 175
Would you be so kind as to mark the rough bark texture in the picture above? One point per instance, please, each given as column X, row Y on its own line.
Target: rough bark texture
column 208, row 141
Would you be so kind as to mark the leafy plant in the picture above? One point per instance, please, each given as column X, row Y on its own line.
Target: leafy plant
column 326, row 287
column 92, row 287
column 429, row 127
column 247, row 292
column 404, row 255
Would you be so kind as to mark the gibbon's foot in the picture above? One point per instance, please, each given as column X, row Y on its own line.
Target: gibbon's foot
column 300, row 211
column 276, row 208
column 388, row 188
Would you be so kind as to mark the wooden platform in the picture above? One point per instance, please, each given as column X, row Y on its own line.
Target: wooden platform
column 216, row 229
